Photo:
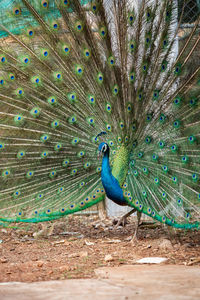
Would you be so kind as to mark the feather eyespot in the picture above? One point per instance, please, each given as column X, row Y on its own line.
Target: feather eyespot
column 30, row 33
column 149, row 210
column 44, row 3
column 55, row 25
column 17, row 11
column 3, row 59
column 140, row 207
column 66, row 2
column 136, row 202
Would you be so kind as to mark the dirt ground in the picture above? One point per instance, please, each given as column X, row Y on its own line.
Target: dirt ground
column 74, row 247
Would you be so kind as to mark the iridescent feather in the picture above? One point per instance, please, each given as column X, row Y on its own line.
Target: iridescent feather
column 70, row 70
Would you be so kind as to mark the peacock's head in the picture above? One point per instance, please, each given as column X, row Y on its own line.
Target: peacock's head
column 103, row 148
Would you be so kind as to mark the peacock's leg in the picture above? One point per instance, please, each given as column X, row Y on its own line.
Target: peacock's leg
column 135, row 236
column 122, row 220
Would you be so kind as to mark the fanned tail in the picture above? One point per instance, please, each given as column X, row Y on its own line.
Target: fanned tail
column 73, row 71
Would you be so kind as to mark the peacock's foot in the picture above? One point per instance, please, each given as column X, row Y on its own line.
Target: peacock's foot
column 134, row 240
column 135, row 237
column 123, row 220
column 120, row 222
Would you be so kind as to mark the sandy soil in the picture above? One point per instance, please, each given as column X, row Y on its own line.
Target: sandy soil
column 76, row 246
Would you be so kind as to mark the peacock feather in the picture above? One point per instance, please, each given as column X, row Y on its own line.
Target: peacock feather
column 75, row 72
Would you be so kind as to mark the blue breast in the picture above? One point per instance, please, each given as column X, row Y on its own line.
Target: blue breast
column 110, row 183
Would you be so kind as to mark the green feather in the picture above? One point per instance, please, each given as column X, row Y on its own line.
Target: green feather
column 70, row 70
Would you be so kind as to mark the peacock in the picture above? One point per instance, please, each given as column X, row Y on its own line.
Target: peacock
column 117, row 78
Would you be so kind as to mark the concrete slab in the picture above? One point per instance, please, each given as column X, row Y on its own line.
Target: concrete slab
column 164, row 282
column 75, row 289
column 138, row 282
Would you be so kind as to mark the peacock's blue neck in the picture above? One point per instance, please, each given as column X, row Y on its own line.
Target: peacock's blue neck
column 110, row 183
column 105, row 164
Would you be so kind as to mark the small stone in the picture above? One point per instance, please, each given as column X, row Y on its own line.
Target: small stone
column 96, row 226
column 83, row 254
column 59, row 242
column 129, row 238
column 108, row 258
column 16, row 242
column 40, row 264
column 114, row 241
column 88, row 243
column 151, row 260
column 3, row 260
column 34, row 259
column 81, row 236
column 109, row 228
column 165, row 245
column 72, row 255
column 64, row 269
column 38, row 234
column 78, row 254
